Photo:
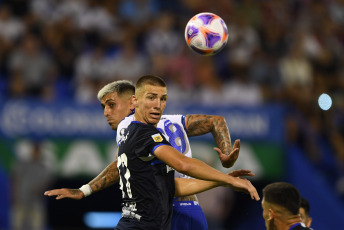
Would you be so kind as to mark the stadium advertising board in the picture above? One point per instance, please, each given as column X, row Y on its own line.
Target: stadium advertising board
column 32, row 119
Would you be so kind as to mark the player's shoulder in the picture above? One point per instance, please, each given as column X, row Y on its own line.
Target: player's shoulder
column 125, row 122
column 122, row 126
column 169, row 116
column 135, row 131
column 141, row 128
column 172, row 117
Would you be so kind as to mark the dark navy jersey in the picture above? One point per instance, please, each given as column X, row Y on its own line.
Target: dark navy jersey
column 147, row 183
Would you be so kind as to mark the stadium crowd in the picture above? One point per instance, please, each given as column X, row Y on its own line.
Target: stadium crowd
column 279, row 51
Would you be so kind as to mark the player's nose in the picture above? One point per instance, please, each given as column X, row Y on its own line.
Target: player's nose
column 157, row 104
column 106, row 112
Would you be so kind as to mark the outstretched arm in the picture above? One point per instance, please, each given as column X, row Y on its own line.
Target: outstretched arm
column 198, row 169
column 105, row 179
column 197, row 125
column 186, row 187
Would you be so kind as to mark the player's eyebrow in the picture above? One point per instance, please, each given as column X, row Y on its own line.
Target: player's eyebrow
column 155, row 94
column 110, row 99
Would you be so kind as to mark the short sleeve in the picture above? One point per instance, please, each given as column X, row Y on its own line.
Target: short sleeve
column 176, row 119
column 149, row 139
column 122, row 126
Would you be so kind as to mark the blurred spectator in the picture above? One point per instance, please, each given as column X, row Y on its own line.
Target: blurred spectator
column 308, row 131
column 139, row 13
column 296, row 74
column 30, row 178
column 162, row 39
column 273, row 38
column 179, row 73
column 128, row 63
column 19, row 8
column 65, row 43
column 336, row 11
column 264, row 72
column 92, row 70
column 47, row 10
column 163, row 43
column 11, row 28
column 94, row 17
column 252, row 10
column 209, row 88
column 241, row 90
column 296, row 69
column 243, row 40
column 34, row 67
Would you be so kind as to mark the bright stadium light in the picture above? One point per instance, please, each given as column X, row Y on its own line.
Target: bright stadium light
column 102, row 219
column 325, row 101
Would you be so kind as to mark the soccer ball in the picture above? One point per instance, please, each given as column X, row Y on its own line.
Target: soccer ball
column 206, row 33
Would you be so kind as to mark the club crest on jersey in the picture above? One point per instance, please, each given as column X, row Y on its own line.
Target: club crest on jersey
column 157, row 137
column 124, row 137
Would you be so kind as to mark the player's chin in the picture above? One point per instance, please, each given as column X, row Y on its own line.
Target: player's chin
column 154, row 120
column 113, row 126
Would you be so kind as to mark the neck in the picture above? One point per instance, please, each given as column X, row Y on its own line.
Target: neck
column 295, row 219
column 287, row 223
column 137, row 118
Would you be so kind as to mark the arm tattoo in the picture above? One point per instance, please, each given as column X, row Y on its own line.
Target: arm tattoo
column 106, row 178
column 74, row 191
column 197, row 125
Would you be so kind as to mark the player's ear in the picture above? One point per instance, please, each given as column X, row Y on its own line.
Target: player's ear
column 272, row 214
column 309, row 222
column 131, row 103
column 134, row 101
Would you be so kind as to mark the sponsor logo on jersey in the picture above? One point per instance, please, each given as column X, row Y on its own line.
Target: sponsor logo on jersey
column 157, row 137
column 185, row 204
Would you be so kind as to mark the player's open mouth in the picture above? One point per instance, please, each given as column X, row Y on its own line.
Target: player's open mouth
column 155, row 115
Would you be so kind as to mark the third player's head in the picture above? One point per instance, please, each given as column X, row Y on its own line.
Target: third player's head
column 281, row 203
column 116, row 100
column 150, row 99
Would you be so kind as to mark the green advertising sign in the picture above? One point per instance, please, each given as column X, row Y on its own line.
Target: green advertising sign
column 83, row 157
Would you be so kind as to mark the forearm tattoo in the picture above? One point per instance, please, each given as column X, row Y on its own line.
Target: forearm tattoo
column 197, row 125
column 74, row 191
column 106, row 178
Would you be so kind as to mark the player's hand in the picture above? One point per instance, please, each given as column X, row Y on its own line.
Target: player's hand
column 62, row 193
column 244, row 185
column 241, row 173
column 229, row 160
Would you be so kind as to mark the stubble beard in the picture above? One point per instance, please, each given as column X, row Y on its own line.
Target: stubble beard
column 272, row 225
